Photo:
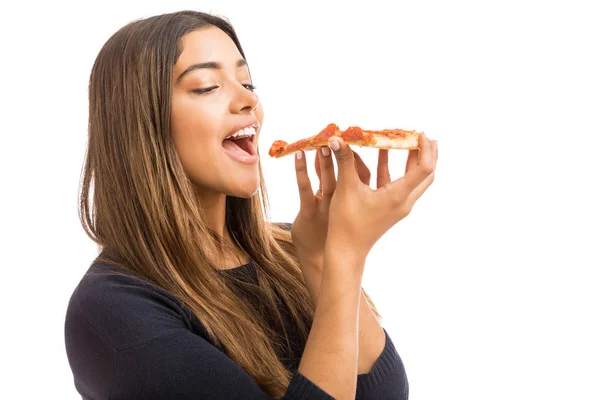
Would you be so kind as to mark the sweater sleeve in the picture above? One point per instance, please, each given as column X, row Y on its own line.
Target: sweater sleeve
column 185, row 366
column 387, row 379
column 127, row 340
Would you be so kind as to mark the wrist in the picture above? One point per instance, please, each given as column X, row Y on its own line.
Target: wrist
column 311, row 260
column 345, row 250
column 343, row 265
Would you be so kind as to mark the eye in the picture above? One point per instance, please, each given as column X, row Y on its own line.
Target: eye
column 205, row 90
column 250, row 87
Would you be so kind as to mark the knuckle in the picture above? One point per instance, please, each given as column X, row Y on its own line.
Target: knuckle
column 428, row 168
column 328, row 165
column 405, row 210
column 396, row 201
column 304, row 190
column 344, row 157
column 304, row 184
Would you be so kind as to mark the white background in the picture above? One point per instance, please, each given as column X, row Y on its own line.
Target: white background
column 489, row 288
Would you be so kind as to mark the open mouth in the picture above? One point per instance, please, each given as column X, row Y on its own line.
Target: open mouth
column 242, row 144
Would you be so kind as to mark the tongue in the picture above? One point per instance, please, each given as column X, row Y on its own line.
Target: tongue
column 232, row 146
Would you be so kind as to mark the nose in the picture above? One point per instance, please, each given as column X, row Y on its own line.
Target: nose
column 244, row 100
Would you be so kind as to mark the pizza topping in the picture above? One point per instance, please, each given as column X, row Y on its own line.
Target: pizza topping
column 354, row 135
column 277, row 148
column 325, row 134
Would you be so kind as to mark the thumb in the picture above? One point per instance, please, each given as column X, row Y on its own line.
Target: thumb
column 344, row 157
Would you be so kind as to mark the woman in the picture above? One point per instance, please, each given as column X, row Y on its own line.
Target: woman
column 194, row 295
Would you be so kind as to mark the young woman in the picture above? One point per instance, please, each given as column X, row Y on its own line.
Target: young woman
column 194, row 295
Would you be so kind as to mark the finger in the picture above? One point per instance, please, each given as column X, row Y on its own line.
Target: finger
column 363, row 171
column 418, row 191
column 411, row 160
column 318, row 170
column 344, row 157
column 425, row 165
column 423, row 186
column 404, row 192
column 383, row 170
column 434, row 154
column 327, row 172
column 304, row 186
column 418, row 168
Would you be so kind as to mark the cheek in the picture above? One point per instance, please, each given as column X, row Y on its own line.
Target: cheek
column 195, row 132
column 193, row 124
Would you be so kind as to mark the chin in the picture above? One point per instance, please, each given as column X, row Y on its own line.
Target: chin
column 245, row 189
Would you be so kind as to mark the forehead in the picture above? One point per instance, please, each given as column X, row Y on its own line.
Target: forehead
column 207, row 44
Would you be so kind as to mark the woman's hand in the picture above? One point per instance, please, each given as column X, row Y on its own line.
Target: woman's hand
column 309, row 230
column 359, row 215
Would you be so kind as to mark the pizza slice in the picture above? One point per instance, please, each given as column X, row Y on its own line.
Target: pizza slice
column 384, row 139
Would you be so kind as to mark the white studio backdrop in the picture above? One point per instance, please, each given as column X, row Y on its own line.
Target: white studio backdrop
column 489, row 288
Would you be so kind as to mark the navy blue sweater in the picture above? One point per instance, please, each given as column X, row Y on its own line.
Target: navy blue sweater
column 126, row 338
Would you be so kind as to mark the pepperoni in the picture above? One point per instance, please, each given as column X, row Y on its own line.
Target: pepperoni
column 356, row 134
column 353, row 135
column 329, row 131
column 277, row 148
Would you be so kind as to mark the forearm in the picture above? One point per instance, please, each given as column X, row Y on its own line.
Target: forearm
column 331, row 353
column 371, row 338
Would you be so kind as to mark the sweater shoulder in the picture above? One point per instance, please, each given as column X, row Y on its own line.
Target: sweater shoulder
column 124, row 310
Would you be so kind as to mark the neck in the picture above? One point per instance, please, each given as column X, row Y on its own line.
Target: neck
column 213, row 207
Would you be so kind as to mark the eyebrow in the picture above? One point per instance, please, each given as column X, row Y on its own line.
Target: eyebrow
column 210, row 65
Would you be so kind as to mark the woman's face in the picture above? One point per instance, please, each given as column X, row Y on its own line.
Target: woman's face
column 213, row 99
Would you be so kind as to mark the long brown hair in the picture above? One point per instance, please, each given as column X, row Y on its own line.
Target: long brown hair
column 139, row 206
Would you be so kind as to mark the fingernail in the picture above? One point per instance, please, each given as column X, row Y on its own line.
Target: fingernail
column 325, row 151
column 334, row 144
column 298, row 155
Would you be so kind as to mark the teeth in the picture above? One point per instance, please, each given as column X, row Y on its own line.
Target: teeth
column 249, row 131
